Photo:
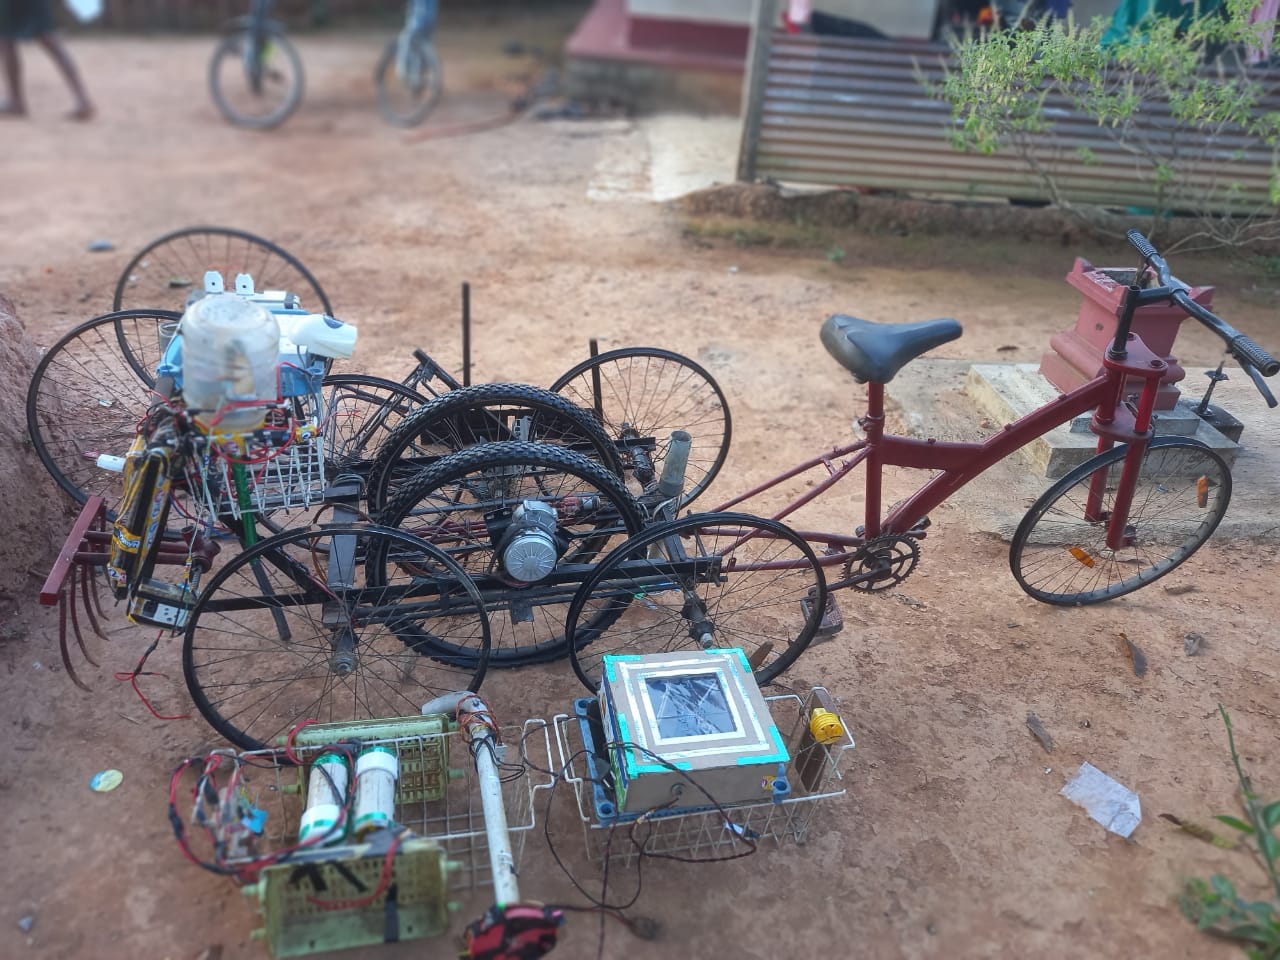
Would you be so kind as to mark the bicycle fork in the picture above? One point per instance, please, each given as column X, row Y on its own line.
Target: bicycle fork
column 1120, row 420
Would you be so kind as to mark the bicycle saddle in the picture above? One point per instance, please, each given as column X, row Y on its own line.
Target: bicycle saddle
column 875, row 352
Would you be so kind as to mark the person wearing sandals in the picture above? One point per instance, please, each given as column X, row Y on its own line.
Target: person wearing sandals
column 33, row 20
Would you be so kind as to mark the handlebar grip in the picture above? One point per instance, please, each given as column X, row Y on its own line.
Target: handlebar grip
column 1142, row 245
column 421, row 355
column 1248, row 351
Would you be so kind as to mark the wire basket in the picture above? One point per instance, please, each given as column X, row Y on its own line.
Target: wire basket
column 814, row 772
column 283, row 470
column 319, row 898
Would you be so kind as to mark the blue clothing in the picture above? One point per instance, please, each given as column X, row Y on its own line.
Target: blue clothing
column 1131, row 14
column 422, row 17
column 25, row 19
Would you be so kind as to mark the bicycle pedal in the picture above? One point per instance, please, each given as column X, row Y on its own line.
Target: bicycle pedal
column 832, row 621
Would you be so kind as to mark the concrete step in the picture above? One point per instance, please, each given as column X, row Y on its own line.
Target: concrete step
column 930, row 398
column 1004, row 392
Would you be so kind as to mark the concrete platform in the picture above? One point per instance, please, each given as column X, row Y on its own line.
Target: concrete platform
column 932, row 398
column 1004, row 392
column 609, row 60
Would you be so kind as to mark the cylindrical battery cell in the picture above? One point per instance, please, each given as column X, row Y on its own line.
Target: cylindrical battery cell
column 376, row 773
column 326, row 796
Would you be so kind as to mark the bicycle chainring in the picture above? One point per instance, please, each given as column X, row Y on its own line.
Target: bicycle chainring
column 889, row 559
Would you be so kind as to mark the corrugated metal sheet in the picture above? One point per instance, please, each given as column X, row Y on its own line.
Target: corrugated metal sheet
column 853, row 113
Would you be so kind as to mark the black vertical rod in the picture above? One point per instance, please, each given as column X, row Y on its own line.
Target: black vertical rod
column 466, row 334
column 594, row 350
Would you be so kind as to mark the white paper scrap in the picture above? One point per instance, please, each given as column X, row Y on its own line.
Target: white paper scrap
column 1110, row 803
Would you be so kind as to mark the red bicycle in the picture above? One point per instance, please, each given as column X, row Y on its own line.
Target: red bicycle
column 1116, row 523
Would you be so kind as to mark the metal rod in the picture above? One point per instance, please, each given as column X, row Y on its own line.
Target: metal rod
column 598, row 402
column 466, row 334
column 501, row 861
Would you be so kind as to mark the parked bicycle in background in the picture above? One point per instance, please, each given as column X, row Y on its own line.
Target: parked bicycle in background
column 408, row 76
column 255, row 76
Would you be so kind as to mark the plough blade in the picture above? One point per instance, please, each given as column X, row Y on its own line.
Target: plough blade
column 72, row 573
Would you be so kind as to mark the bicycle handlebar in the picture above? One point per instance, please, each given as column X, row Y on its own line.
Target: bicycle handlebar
column 1252, row 357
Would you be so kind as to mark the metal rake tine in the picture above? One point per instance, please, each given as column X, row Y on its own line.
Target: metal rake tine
column 88, row 588
column 92, row 576
column 62, row 639
column 75, row 619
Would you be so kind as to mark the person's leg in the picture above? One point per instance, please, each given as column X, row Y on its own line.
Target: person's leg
column 84, row 107
column 15, row 105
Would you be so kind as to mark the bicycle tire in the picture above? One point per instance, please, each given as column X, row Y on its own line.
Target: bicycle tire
column 175, row 262
column 85, row 398
column 1059, row 556
column 652, row 392
column 253, row 685
column 361, row 412
column 230, row 47
column 745, row 571
column 483, row 413
column 423, row 96
column 451, row 503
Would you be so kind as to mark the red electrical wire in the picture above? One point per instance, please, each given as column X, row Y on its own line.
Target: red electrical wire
column 288, row 742
column 132, row 678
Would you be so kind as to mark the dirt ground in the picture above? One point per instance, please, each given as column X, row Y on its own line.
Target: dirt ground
column 952, row 840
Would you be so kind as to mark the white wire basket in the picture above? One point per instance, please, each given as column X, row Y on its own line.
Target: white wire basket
column 815, row 773
column 286, row 476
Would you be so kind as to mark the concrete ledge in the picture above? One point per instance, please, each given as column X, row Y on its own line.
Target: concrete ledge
column 647, row 87
column 930, row 398
column 1004, row 392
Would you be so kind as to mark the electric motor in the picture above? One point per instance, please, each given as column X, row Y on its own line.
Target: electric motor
column 529, row 551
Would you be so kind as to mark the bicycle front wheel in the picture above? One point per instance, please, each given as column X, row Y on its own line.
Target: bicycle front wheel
column 408, row 79
column 360, row 413
column 1059, row 553
column 334, row 623
column 87, row 397
column 168, row 268
column 256, row 82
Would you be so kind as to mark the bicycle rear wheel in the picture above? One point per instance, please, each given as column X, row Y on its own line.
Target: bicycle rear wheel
column 705, row 580
column 484, row 413
column 645, row 393
column 528, row 564
column 258, row 89
column 86, row 398
column 409, row 81
column 1059, row 552
column 165, row 271
column 335, row 623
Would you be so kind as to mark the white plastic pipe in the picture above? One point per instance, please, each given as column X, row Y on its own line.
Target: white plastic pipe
column 501, row 861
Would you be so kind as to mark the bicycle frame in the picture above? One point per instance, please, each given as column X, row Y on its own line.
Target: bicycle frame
column 1116, row 420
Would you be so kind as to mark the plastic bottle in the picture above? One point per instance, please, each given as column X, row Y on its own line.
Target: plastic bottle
column 326, row 796
column 376, row 773
column 230, row 351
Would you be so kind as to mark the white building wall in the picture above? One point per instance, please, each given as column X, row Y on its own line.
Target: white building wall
column 899, row 18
